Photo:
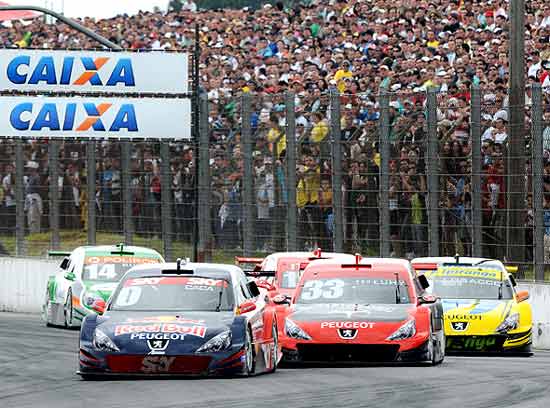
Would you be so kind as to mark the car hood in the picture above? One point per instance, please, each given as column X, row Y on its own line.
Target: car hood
column 345, row 312
column 163, row 333
column 475, row 316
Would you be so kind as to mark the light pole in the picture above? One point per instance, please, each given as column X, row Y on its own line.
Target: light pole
column 516, row 139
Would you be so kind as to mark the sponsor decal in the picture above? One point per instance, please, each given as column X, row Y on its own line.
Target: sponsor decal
column 157, row 336
column 192, row 283
column 463, row 317
column 459, row 326
column 198, row 331
column 92, row 260
column 157, row 364
column 158, row 346
column 20, row 71
column 165, row 319
column 468, row 272
column 347, row 325
column 347, row 334
column 471, row 343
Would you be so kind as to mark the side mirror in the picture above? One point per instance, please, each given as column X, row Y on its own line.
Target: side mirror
column 265, row 285
column 246, row 307
column 70, row 276
column 253, row 288
column 281, row 300
column 522, row 295
column 427, row 299
column 99, row 306
column 423, row 281
column 64, row 263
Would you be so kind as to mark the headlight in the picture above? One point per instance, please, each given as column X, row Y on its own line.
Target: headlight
column 294, row 331
column 217, row 343
column 510, row 323
column 404, row 332
column 89, row 298
column 102, row 342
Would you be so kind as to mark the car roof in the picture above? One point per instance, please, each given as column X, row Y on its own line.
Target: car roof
column 137, row 250
column 377, row 264
column 221, row 271
column 463, row 260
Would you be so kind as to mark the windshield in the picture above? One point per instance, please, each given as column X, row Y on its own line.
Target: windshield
column 467, row 284
column 290, row 279
column 354, row 290
column 174, row 293
column 111, row 268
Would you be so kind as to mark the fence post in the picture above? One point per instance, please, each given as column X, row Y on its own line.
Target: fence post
column 432, row 167
column 91, row 185
column 247, row 221
column 337, row 205
column 204, row 182
column 290, row 184
column 126, row 192
column 19, row 199
column 384, row 129
column 166, row 200
column 475, row 129
column 53, row 153
column 537, row 180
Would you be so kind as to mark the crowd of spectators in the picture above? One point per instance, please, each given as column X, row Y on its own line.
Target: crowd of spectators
column 360, row 48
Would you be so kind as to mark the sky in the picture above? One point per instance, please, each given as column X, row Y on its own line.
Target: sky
column 93, row 8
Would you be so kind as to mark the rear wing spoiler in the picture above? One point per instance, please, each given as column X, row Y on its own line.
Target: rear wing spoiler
column 424, row 266
column 240, row 260
column 511, row 268
column 258, row 274
column 55, row 254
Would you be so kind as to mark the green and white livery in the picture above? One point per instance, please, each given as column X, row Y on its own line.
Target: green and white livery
column 86, row 275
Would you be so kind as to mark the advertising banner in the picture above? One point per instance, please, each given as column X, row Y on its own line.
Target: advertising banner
column 85, row 117
column 90, row 71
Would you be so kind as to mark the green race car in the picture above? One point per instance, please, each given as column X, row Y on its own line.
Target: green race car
column 89, row 274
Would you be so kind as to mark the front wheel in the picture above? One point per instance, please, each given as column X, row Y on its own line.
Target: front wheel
column 249, row 361
column 46, row 309
column 68, row 310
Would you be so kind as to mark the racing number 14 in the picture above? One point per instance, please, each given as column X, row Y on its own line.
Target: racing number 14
column 107, row 271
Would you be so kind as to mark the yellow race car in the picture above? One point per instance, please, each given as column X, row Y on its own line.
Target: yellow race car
column 482, row 310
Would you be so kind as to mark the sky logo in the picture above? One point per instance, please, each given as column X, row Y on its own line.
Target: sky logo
column 54, row 117
column 21, row 70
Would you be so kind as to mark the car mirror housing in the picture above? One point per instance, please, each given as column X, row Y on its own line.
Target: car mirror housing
column 246, row 307
column 253, row 288
column 427, row 299
column 522, row 295
column 423, row 281
column 70, row 276
column 281, row 300
column 99, row 306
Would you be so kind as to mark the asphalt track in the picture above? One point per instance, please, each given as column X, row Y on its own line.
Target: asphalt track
column 37, row 369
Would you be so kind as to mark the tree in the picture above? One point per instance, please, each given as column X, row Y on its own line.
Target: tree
column 175, row 5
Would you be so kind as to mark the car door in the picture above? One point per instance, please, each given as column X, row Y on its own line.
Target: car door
column 256, row 316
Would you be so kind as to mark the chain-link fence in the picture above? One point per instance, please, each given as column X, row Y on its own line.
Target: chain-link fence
column 405, row 175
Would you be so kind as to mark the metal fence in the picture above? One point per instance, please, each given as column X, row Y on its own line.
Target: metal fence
column 405, row 175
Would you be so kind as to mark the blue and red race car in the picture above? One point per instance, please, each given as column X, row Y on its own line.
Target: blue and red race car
column 181, row 318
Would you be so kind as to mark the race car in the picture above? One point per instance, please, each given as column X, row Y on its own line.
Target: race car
column 181, row 319
column 87, row 274
column 280, row 272
column 483, row 310
column 371, row 310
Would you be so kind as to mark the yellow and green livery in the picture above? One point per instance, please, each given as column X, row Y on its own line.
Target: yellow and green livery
column 483, row 312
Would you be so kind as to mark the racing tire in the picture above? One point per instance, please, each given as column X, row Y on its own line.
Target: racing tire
column 250, row 358
column 68, row 310
column 88, row 377
column 275, row 348
column 435, row 352
column 45, row 310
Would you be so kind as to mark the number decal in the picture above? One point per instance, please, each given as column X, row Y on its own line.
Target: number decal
column 329, row 289
column 128, row 296
column 106, row 271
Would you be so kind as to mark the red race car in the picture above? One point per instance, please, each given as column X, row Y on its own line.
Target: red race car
column 369, row 310
column 280, row 272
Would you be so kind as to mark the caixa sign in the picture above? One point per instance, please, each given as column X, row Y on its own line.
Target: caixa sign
column 81, row 71
column 95, row 117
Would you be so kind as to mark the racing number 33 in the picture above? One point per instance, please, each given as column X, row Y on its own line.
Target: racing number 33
column 328, row 289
